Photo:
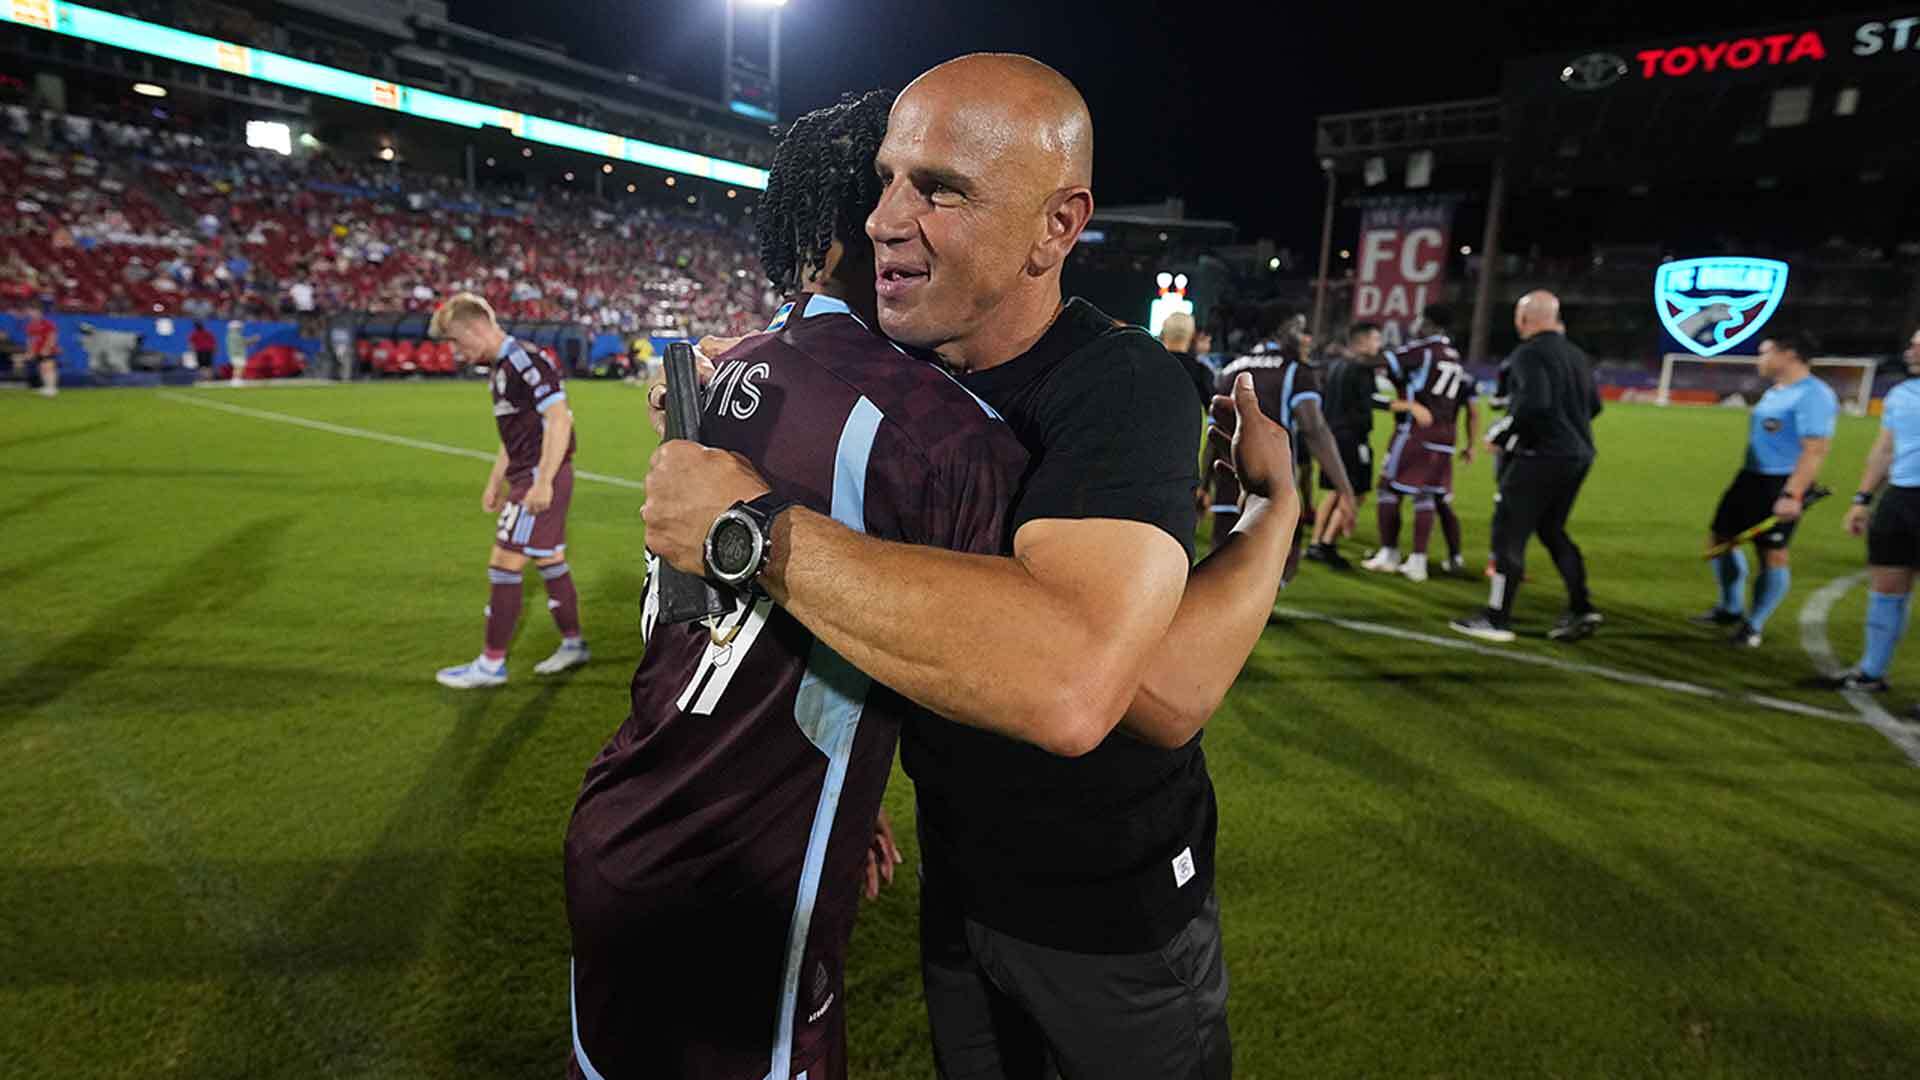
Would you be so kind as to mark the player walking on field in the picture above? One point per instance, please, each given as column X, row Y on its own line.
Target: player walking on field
column 1893, row 532
column 529, row 488
column 1790, row 432
column 1432, row 388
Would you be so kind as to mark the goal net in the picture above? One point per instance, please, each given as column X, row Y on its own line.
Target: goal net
column 1686, row 379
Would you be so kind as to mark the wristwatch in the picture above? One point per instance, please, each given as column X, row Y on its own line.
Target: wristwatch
column 740, row 540
column 1863, row 498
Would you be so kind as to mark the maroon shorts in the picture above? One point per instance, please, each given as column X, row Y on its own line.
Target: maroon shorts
column 538, row 535
column 1417, row 467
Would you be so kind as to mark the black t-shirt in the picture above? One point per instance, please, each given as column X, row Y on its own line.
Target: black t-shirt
column 1349, row 405
column 1553, row 400
column 1112, row 851
column 1201, row 374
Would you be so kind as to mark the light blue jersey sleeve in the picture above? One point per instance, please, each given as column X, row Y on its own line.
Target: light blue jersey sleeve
column 1814, row 413
column 1900, row 414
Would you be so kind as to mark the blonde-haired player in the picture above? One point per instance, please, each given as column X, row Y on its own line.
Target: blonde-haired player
column 529, row 487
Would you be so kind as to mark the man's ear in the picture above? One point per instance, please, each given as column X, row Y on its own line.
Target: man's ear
column 1067, row 213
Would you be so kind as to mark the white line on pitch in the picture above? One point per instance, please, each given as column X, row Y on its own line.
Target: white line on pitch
column 376, row 436
column 1813, row 639
column 1631, row 678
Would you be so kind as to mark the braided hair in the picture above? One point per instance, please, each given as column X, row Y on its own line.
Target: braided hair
column 821, row 187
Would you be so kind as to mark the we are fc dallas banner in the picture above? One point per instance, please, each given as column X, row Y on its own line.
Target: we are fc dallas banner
column 1402, row 262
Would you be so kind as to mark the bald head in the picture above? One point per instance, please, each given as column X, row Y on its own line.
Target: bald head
column 1021, row 105
column 1536, row 313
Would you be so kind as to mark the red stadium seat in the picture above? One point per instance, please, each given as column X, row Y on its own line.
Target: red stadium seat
column 383, row 357
column 404, row 358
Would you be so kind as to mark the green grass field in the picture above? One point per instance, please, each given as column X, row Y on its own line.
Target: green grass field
column 244, row 834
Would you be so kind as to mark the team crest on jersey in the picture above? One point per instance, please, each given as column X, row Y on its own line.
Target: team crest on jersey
column 1771, row 424
column 1714, row 304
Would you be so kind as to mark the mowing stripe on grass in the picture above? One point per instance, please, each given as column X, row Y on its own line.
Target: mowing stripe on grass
column 376, row 436
column 1813, row 639
column 1631, row 678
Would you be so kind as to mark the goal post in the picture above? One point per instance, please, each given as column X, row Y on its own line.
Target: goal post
column 1686, row 379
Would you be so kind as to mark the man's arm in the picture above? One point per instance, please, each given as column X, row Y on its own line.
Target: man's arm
column 491, row 497
column 1313, row 426
column 1879, row 460
column 553, row 449
column 1473, row 431
column 1813, row 453
column 1230, row 595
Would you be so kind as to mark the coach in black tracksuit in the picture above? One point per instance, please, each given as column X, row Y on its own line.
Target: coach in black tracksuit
column 1548, row 444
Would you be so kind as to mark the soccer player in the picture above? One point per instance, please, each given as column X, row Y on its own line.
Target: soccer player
column 1893, row 535
column 1548, row 451
column 529, row 488
column 714, row 858
column 1425, row 388
column 1288, row 390
column 1790, row 432
column 43, row 349
column 1349, row 387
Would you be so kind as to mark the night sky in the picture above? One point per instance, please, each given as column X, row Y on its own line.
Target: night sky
column 1187, row 101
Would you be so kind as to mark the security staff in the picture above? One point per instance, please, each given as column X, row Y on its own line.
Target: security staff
column 1548, row 449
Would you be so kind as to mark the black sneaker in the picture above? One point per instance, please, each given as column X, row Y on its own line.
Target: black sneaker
column 1573, row 627
column 1745, row 636
column 1479, row 625
column 1334, row 560
column 1315, row 553
column 1854, row 680
column 1716, row 617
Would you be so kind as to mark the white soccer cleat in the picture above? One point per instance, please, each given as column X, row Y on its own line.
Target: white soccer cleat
column 48, row 391
column 570, row 654
column 1384, row 561
column 1415, row 568
column 472, row 676
column 1455, row 565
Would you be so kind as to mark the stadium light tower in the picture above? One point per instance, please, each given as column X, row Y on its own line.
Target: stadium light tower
column 750, row 85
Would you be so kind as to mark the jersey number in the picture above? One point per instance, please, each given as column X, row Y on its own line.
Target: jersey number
column 1447, row 378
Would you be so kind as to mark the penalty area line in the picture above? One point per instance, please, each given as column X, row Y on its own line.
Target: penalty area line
column 1813, row 640
column 375, row 436
column 1580, row 667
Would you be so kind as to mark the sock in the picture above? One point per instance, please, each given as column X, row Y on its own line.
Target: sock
column 1501, row 593
column 503, row 610
column 1450, row 525
column 1886, row 624
column 562, row 600
column 1389, row 512
column 1731, row 569
column 1422, row 525
column 1768, row 594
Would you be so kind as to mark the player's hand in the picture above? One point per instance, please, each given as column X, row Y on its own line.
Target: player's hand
column 716, row 346
column 1856, row 523
column 1786, row 508
column 1466, row 453
column 493, row 500
column 1422, row 416
column 539, row 497
column 657, row 389
column 1343, row 515
column 689, row 485
column 1260, row 453
column 882, row 856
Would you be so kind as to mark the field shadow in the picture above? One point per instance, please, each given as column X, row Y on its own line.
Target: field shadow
column 40, row 500
column 220, row 575
column 41, row 438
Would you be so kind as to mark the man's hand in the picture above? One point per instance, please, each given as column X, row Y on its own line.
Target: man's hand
column 1342, row 515
column 1261, row 452
column 1857, row 518
column 714, row 346
column 882, row 856
column 539, row 496
column 688, row 486
column 702, row 366
column 1786, row 508
column 1466, row 453
column 493, row 500
column 1422, row 416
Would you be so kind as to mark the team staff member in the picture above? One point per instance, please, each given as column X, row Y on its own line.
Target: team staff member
column 1349, row 384
column 1893, row 537
column 1067, row 904
column 1180, row 338
column 1791, row 430
column 1548, row 452
column 43, row 349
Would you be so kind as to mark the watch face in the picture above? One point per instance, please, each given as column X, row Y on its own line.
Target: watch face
column 733, row 547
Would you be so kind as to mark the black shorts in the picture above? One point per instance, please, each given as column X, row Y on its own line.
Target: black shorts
column 1748, row 502
column 1893, row 537
column 1356, row 454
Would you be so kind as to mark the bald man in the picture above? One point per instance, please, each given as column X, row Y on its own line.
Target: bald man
column 1065, row 813
column 1548, row 448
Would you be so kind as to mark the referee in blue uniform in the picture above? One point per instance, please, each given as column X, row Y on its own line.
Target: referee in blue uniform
column 1790, row 432
column 1893, row 532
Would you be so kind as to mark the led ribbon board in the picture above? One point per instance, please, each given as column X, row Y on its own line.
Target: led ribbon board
column 1713, row 305
column 138, row 35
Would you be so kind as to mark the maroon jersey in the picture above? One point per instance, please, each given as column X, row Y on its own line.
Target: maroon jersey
column 1281, row 383
column 525, row 386
column 1429, row 371
column 715, row 854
